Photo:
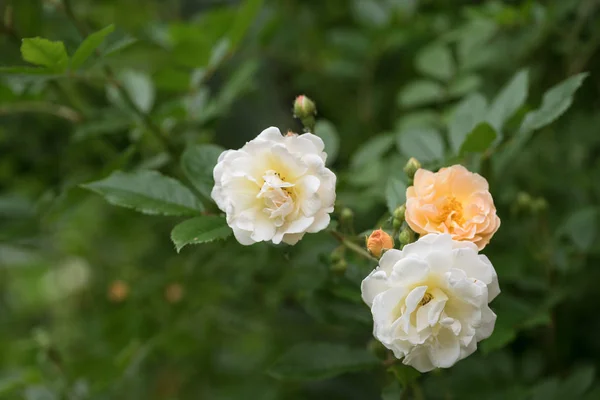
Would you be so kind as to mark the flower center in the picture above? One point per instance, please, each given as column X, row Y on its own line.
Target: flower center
column 427, row 297
column 278, row 196
column 452, row 211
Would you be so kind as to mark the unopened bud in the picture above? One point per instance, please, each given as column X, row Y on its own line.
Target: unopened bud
column 304, row 107
column 379, row 241
column 118, row 291
column 411, row 167
column 399, row 213
column 337, row 255
column 174, row 293
column 347, row 214
column 406, row 236
column 339, row 267
column 524, row 200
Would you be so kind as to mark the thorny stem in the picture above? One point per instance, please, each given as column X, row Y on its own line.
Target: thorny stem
column 352, row 246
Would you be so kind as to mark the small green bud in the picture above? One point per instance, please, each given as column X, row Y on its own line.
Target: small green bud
column 304, row 108
column 337, row 255
column 524, row 200
column 399, row 213
column 339, row 267
column 411, row 167
column 406, row 236
column 347, row 214
column 396, row 223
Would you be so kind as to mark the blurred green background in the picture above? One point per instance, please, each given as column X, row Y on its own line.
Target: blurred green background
column 95, row 303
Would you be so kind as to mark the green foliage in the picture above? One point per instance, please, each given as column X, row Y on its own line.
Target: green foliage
column 316, row 361
column 148, row 192
column 199, row 230
column 97, row 304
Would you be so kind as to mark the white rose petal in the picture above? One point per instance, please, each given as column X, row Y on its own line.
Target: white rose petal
column 430, row 301
column 275, row 188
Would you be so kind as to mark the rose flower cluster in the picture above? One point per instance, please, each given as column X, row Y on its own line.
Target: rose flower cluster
column 429, row 299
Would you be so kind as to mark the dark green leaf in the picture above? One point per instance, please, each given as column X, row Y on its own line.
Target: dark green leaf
column 246, row 15
column 436, row 61
column 509, row 100
column 326, row 131
column 317, row 361
column 373, row 149
column 464, row 85
column 197, row 230
column 578, row 382
column 393, row 391
column 469, row 112
column 479, row 139
column 148, row 192
column 395, row 194
column 198, row 162
column 581, row 226
column 421, row 92
column 43, row 52
column 424, row 144
column 89, row 45
column 501, row 337
column 554, row 103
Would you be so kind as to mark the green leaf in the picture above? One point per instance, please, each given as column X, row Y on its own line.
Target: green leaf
column 197, row 230
column 581, row 227
column 393, row 391
column 370, row 13
column 119, row 46
column 138, row 86
column 148, row 192
column 436, row 61
column 424, row 144
column 326, row 131
column 509, row 100
column 198, row 162
column 577, row 383
column 43, row 52
column 479, row 139
column 464, row 85
column 219, row 52
column 501, row 337
column 89, row 45
column 420, row 92
column 468, row 113
column 317, row 361
column 246, row 15
column 554, row 103
column 395, row 194
column 373, row 149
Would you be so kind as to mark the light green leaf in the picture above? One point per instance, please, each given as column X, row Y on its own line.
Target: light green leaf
column 89, row 45
column 436, row 61
column 198, row 162
column 327, row 131
column 468, row 113
column 554, row 103
column 317, row 361
column 420, row 92
column 119, row 46
column 509, row 100
column 373, row 149
column 395, row 194
column 197, row 230
column 370, row 13
column 479, row 139
column 246, row 15
column 464, row 85
column 148, row 192
column 43, row 52
column 581, row 227
column 140, row 89
column 424, row 144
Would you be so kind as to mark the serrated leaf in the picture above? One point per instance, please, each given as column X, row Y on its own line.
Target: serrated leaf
column 197, row 230
column 148, row 192
column 198, row 162
column 479, row 139
column 424, row 144
column 436, row 61
column 317, row 361
column 420, row 92
column 46, row 53
column 554, row 103
column 509, row 100
column 395, row 194
column 469, row 112
column 89, row 45
column 327, row 132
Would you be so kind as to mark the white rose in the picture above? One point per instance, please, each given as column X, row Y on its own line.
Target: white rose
column 430, row 301
column 275, row 188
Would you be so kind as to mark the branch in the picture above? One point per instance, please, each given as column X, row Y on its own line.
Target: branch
column 42, row 107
